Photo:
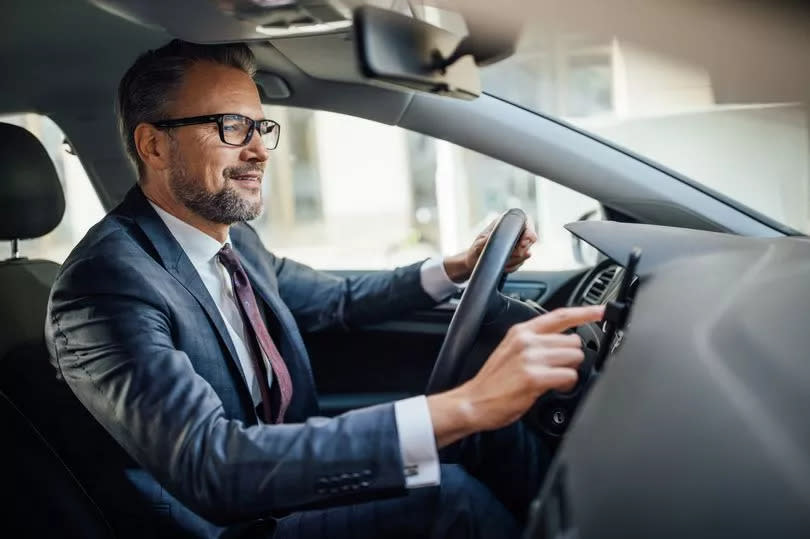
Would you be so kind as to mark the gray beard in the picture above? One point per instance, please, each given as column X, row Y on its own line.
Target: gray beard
column 225, row 207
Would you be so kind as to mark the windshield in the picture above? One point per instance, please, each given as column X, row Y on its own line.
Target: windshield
column 668, row 110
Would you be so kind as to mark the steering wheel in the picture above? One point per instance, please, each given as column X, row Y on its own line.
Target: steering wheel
column 480, row 296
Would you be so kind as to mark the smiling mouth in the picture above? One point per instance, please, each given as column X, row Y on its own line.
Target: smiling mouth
column 248, row 179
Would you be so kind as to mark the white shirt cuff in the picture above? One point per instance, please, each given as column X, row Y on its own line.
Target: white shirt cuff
column 417, row 443
column 435, row 281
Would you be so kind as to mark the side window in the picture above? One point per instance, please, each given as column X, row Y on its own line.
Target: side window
column 82, row 206
column 348, row 193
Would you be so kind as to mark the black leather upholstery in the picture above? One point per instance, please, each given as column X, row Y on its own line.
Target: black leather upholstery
column 46, row 431
column 42, row 497
column 24, row 288
column 31, row 198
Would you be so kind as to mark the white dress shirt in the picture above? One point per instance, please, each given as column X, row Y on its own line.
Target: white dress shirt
column 414, row 426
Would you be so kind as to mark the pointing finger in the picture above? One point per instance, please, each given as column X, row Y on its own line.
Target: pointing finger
column 561, row 319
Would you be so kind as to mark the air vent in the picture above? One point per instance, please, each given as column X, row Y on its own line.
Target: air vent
column 598, row 288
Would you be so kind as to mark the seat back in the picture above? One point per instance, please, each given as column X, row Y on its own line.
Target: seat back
column 42, row 419
column 24, row 365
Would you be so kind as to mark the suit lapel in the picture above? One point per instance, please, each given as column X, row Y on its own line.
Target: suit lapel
column 188, row 276
column 178, row 264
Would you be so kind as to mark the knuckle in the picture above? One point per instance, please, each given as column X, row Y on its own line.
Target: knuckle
column 544, row 342
column 552, row 340
column 518, row 334
column 538, row 377
column 525, row 338
column 574, row 339
column 564, row 314
column 541, row 357
column 556, row 316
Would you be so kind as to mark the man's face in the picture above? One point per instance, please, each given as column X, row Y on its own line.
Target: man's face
column 219, row 182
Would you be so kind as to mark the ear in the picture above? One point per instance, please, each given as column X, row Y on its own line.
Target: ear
column 152, row 145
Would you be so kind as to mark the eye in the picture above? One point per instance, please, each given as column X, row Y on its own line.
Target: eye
column 232, row 123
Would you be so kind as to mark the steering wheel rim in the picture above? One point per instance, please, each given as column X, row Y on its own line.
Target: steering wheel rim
column 480, row 294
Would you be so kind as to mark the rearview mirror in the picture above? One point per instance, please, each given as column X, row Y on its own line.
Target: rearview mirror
column 401, row 50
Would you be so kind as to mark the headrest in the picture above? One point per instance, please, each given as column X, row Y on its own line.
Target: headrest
column 31, row 198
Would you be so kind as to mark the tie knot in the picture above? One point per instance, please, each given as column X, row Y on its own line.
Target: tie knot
column 229, row 259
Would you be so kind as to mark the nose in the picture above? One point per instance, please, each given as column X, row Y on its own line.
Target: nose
column 255, row 151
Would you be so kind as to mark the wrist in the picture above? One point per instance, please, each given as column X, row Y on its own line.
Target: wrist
column 453, row 416
column 456, row 268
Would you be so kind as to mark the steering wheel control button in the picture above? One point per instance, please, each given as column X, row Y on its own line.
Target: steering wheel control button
column 559, row 417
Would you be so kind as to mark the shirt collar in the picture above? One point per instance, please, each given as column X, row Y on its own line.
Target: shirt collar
column 198, row 246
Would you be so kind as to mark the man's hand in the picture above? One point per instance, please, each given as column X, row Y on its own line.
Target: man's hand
column 533, row 358
column 459, row 267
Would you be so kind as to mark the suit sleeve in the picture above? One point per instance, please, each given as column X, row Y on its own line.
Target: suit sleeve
column 110, row 334
column 320, row 300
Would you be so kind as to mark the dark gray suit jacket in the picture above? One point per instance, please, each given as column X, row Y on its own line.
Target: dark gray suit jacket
column 138, row 339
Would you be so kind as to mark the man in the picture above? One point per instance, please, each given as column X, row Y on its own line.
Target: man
column 179, row 333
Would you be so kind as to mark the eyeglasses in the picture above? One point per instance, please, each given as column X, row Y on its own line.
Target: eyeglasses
column 234, row 129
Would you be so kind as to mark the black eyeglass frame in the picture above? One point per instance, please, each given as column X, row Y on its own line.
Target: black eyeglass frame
column 218, row 119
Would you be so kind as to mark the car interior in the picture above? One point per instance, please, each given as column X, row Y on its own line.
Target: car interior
column 690, row 415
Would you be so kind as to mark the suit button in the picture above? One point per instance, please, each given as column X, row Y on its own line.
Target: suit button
column 344, row 488
column 366, row 473
column 356, row 475
column 321, row 491
column 334, row 490
column 364, row 484
column 323, row 481
column 355, row 487
column 345, row 477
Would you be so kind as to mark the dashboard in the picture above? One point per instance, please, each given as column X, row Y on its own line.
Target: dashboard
column 698, row 420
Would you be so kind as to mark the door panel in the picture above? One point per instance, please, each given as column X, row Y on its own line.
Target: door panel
column 393, row 359
column 373, row 364
column 550, row 289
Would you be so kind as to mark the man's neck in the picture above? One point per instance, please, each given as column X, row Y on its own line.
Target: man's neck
column 218, row 231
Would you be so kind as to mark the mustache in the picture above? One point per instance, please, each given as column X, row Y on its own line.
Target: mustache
column 231, row 172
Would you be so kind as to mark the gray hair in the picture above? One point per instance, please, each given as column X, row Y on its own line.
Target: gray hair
column 149, row 85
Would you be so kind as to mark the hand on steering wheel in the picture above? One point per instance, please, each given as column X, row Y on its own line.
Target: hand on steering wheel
column 530, row 360
column 481, row 293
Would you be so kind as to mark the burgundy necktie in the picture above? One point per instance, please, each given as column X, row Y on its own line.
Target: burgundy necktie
column 250, row 313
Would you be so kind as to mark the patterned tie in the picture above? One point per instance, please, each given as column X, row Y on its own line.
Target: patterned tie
column 250, row 313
